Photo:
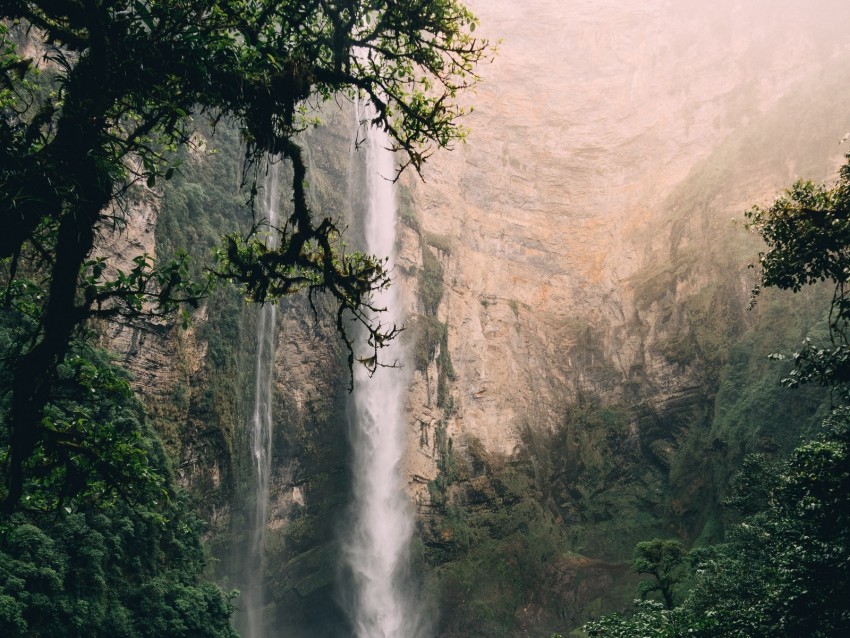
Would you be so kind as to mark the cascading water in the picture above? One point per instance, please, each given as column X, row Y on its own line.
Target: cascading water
column 377, row 544
column 261, row 428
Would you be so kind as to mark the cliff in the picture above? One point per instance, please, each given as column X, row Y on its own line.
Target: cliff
column 585, row 373
column 591, row 125
column 596, row 288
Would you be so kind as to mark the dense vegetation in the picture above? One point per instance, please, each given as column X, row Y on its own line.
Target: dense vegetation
column 103, row 543
column 782, row 569
column 98, row 104
column 91, row 572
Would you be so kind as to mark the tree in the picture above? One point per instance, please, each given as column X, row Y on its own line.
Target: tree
column 665, row 561
column 104, row 544
column 807, row 232
column 114, row 86
column 107, row 574
column 784, row 570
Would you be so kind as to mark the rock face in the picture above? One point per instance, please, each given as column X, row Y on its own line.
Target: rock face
column 588, row 257
column 576, row 297
column 563, row 199
column 149, row 350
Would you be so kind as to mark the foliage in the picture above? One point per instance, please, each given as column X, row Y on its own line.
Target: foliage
column 430, row 280
column 443, row 243
column 504, row 528
column 664, row 561
column 649, row 620
column 406, row 207
column 591, row 471
column 446, row 374
column 491, row 544
column 124, row 80
column 431, row 334
column 752, row 409
column 103, row 544
column 784, row 568
column 204, row 198
column 95, row 447
column 807, row 232
column 450, row 469
column 94, row 571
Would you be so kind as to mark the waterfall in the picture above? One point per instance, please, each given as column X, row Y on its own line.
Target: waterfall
column 261, row 427
column 376, row 546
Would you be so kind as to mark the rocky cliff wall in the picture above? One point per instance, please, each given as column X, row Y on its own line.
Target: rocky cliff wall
column 588, row 120
column 588, row 256
column 576, row 296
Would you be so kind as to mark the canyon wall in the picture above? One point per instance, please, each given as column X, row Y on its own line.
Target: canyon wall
column 590, row 261
column 588, row 121
column 585, row 372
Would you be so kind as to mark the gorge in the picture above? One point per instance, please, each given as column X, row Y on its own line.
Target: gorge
column 575, row 295
column 581, row 368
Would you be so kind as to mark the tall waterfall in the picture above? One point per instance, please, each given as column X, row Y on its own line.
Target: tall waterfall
column 261, row 427
column 377, row 544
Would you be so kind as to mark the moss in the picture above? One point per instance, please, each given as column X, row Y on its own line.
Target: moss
column 446, row 372
column 488, row 548
column 429, row 333
column 201, row 417
column 500, row 522
column 657, row 283
column 406, row 207
column 443, row 243
column 430, row 281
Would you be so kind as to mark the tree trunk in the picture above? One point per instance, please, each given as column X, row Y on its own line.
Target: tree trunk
column 35, row 373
